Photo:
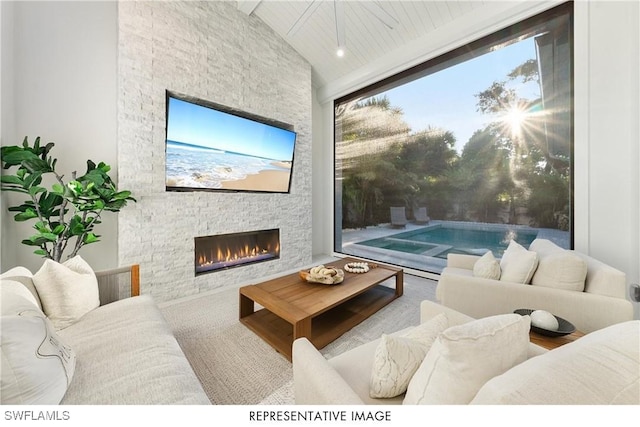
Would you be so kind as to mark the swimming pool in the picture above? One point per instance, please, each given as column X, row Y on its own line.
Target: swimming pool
column 440, row 240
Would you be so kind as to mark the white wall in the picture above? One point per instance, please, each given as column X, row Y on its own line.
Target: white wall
column 59, row 82
column 607, row 133
column 319, row 182
column 607, row 186
column 6, row 119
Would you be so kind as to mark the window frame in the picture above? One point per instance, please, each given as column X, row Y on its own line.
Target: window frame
column 431, row 65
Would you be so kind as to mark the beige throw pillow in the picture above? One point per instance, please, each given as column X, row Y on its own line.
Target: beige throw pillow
column 518, row 264
column 561, row 270
column 487, row 267
column 464, row 357
column 37, row 366
column 398, row 357
column 67, row 291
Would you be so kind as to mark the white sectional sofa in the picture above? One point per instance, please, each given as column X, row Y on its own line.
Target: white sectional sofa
column 600, row 368
column 119, row 353
column 590, row 299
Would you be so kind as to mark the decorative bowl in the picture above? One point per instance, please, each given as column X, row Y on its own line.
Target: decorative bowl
column 328, row 275
column 564, row 326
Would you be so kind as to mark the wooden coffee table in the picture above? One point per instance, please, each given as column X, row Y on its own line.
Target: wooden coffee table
column 294, row 308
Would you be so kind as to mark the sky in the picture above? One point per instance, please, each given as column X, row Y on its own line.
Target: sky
column 206, row 127
column 446, row 99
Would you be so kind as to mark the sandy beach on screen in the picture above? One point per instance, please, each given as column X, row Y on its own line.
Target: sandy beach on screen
column 266, row 180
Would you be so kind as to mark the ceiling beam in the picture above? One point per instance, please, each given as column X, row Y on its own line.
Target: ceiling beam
column 339, row 12
column 248, row 6
column 386, row 18
column 304, row 17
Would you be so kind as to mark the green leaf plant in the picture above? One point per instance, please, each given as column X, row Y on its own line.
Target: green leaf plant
column 67, row 214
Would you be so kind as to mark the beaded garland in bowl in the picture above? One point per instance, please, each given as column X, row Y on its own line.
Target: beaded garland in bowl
column 356, row 267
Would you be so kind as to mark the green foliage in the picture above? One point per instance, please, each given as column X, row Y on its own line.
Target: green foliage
column 527, row 71
column 66, row 211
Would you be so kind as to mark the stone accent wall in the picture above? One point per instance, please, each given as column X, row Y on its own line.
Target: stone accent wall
column 212, row 51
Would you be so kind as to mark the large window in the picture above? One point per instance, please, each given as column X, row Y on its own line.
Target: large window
column 481, row 138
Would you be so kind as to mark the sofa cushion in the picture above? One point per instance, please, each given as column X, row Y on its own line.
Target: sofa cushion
column 487, row 267
column 518, row 264
column 558, row 268
column 127, row 355
column 17, row 288
column 601, row 368
column 67, row 291
column 24, row 276
column 397, row 358
column 37, row 366
column 466, row 356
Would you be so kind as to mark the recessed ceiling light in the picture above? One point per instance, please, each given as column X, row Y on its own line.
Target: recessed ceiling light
column 340, row 52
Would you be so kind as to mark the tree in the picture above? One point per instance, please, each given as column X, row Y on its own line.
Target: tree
column 368, row 138
column 84, row 198
column 427, row 156
column 486, row 176
column 536, row 179
column 361, row 191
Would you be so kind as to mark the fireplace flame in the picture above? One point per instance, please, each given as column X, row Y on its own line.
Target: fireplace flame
column 223, row 257
column 225, row 254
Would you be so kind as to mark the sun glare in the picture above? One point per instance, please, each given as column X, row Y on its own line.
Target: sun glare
column 514, row 118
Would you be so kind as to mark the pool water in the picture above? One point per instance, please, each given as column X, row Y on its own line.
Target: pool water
column 453, row 240
column 398, row 245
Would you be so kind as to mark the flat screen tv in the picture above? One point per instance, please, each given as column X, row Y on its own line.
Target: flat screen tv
column 210, row 147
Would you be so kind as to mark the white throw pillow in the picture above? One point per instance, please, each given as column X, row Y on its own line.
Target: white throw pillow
column 518, row 264
column 398, row 357
column 464, row 357
column 67, row 291
column 17, row 288
column 37, row 366
column 24, row 276
column 601, row 368
column 561, row 270
column 487, row 267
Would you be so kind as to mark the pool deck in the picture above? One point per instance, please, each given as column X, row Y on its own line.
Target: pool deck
column 423, row 262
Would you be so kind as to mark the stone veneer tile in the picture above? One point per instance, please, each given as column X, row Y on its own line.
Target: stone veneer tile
column 212, row 51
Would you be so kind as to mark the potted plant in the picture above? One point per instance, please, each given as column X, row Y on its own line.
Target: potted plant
column 67, row 214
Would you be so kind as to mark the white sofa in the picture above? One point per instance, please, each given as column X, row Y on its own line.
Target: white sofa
column 600, row 302
column 600, row 368
column 123, row 352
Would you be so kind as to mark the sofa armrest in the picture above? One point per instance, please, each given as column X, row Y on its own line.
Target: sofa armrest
column 118, row 283
column 462, row 261
column 479, row 297
column 315, row 381
column 603, row 279
column 430, row 309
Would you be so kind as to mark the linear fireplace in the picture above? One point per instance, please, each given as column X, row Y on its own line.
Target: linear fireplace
column 223, row 251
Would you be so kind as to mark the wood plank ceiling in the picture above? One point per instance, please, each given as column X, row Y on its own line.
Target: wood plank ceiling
column 309, row 26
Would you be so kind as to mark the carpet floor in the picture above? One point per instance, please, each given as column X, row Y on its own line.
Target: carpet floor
column 236, row 367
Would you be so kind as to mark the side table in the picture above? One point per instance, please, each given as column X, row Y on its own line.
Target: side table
column 554, row 342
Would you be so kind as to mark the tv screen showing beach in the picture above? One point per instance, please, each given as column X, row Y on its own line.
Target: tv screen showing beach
column 212, row 147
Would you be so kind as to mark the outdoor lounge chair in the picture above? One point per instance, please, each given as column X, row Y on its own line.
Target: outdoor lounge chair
column 398, row 216
column 421, row 216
